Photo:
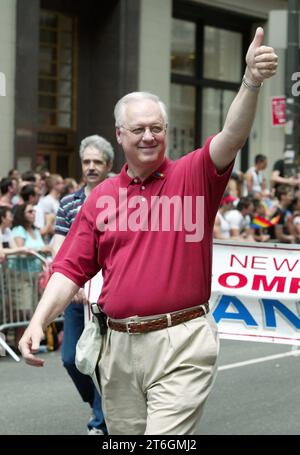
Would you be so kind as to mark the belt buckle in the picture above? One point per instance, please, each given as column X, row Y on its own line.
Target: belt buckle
column 128, row 328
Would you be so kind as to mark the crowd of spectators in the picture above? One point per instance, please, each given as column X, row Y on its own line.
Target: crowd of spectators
column 252, row 211
column 28, row 206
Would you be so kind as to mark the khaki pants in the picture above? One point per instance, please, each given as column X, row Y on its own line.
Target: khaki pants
column 24, row 292
column 157, row 383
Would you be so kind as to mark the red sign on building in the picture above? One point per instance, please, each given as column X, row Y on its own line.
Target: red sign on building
column 278, row 111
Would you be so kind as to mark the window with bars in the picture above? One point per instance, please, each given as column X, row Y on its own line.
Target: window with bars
column 57, row 59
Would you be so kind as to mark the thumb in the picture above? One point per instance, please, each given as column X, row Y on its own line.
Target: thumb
column 35, row 344
column 258, row 38
column 36, row 341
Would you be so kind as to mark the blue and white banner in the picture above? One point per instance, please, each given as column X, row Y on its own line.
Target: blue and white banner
column 256, row 291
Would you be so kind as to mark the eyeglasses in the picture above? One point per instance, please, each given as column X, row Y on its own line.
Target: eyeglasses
column 155, row 130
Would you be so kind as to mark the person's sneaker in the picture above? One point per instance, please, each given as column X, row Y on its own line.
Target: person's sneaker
column 95, row 432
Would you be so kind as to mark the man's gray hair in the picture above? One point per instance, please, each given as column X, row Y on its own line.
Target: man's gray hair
column 99, row 143
column 137, row 96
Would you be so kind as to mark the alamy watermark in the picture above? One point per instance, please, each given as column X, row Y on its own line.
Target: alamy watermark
column 160, row 213
column 296, row 86
column 2, row 84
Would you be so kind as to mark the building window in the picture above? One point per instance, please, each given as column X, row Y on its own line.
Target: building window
column 215, row 105
column 182, row 120
column 57, row 60
column 207, row 64
column 222, row 54
column 183, row 47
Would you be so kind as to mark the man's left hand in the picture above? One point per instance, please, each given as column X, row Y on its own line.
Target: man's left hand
column 261, row 60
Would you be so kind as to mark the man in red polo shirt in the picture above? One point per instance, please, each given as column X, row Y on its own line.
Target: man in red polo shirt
column 150, row 231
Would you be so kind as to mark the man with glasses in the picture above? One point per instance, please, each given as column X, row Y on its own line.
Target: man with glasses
column 158, row 361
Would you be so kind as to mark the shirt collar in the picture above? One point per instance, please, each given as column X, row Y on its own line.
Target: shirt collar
column 158, row 174
column 80, row 194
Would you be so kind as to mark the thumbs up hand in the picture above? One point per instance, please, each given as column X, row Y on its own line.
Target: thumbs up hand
column 261, row 60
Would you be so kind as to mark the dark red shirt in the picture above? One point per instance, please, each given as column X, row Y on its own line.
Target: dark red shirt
column 148, row 271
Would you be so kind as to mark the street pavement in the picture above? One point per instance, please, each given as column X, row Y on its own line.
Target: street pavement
column 254, row 394
column 40, row 401
column 259, row 398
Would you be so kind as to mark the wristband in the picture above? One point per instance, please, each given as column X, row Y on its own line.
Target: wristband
column 249, row 86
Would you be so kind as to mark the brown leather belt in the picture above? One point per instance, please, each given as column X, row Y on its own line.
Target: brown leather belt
column 166, row 320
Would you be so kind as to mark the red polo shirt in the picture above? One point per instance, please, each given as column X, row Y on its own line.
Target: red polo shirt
column 151, row 267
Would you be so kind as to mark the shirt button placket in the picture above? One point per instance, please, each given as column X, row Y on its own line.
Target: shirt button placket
column 143, row 188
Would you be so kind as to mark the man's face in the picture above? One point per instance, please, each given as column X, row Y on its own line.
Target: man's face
column 35, row 199
column 16, row 174
column 94, row 166
column 38, row 180
column 263, row 165
column 59, row 185
column 13, row 189
column 286, row 199
column 145, row 149
column 249, row 210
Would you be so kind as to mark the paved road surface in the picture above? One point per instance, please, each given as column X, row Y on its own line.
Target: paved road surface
column 248, row 398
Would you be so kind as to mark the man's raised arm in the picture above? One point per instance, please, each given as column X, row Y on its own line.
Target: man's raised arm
column 261, row 64
column 57, row 295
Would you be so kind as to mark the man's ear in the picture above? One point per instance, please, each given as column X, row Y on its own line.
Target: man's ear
column 109, row 166
column 118, row 135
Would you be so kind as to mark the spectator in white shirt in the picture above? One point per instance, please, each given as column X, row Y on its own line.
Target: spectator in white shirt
column 255, row 182
column 222, row 226
column 48, row 205
column 239, row 220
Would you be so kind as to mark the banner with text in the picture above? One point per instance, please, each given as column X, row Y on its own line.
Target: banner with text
column 256, row 291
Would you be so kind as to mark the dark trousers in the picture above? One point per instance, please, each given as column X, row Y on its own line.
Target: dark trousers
column 73, row 328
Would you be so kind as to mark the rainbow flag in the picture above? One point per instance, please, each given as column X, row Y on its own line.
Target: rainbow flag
column 275, row 219
column 260, row 222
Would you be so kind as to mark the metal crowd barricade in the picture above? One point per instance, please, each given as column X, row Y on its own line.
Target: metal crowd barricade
column 22, row 282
